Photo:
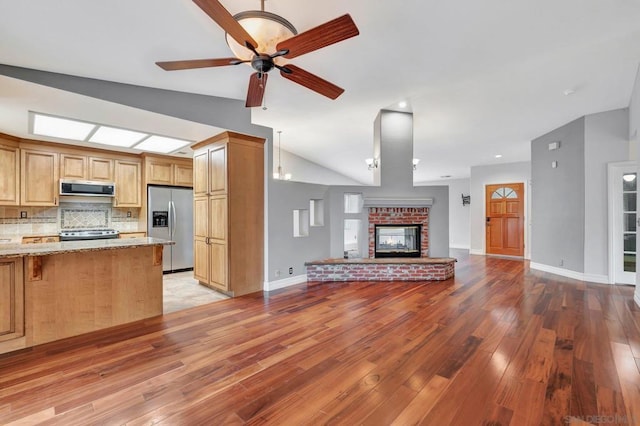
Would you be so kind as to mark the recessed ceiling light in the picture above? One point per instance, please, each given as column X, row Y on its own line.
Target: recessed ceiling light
column 46, row 125
column 402, row 104
column 161, row 144
column 498, row 155
column 116, row 137
column 568, row 92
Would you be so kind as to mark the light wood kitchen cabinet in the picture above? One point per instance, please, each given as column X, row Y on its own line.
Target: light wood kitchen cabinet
column 167, row 171
column 228, row 177
column 74, row 166
column 201, row 173
column 128, row 180
column 11, row 305
column 9, row 175
column 39, row 178
column 100, row 169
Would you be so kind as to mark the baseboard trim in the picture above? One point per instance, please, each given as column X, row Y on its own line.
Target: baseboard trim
column 285, row 282
column 460, row 247
column 476, row 251
column 592, row 278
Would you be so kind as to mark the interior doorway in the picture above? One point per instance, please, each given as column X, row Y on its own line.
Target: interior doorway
column 622, row 222
column 504, row 224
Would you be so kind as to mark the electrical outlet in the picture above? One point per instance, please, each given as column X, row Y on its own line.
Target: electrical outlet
column 23, row 214
column 128, row 214
column 291, row 270
column 277, row 273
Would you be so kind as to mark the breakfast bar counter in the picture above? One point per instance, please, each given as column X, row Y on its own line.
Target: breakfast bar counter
column 52, row 291
column 9, row 250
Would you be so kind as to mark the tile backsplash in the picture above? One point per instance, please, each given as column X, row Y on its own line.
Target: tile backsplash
column 50, row 220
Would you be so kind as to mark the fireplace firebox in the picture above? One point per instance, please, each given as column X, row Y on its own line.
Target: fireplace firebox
column 397, row 240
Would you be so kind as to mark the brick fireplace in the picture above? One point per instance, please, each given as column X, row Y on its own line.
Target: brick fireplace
column 400, row 216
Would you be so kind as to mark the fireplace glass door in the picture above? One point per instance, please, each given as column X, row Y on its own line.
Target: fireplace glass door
column 397, row 240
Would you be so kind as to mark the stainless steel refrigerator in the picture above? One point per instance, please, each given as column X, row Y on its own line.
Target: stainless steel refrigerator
column 170, row 217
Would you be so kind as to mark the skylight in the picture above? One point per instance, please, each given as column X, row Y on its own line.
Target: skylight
column 66, row 128
column 116, row 137
column 46, row 125
column 161, row 144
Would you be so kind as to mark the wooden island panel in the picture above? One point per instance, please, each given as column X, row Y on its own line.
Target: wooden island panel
column 80, row 292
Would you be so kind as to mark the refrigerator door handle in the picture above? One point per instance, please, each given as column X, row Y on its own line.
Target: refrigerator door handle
column 175, row 219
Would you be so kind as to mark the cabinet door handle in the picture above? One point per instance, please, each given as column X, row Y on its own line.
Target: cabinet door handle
column 116, row 200
column 55, row 201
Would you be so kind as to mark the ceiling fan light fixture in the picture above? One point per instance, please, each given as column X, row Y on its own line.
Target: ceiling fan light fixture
column 268, row 29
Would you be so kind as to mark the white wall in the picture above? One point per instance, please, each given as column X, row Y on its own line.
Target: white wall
column 459, row 231
column 487, row 175
column 606, row 140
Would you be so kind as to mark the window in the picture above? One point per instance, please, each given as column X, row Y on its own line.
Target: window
column 504, row 193
column 629, row 221
column 352, row 203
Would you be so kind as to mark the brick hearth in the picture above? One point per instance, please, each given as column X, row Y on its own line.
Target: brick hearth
column 400, row 216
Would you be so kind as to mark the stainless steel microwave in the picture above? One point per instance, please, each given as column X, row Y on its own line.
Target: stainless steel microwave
column 87, row 188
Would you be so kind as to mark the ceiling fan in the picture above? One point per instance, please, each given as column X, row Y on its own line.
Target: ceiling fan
column 277, row 39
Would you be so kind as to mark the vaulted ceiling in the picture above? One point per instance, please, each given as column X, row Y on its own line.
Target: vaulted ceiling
column 481, row 78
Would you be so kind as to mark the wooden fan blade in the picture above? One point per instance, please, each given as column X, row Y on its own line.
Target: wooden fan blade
column 196, row 63
column 310, row 81
column 256, row 89
column 321, row 36
column 222, row 17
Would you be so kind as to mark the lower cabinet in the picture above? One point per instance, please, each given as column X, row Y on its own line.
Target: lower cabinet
column 218, row 266
column 11, row 305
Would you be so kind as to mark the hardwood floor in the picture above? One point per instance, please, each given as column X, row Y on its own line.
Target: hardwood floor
column 497, row 345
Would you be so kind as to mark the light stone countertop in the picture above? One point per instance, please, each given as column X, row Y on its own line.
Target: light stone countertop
column 45, row 249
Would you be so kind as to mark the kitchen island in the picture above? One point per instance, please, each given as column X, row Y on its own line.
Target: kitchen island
column 52, row 291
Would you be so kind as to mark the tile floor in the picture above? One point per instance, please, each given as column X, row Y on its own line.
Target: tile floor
column 182, row 291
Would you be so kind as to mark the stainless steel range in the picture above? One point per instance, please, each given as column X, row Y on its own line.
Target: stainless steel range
column 88, row 234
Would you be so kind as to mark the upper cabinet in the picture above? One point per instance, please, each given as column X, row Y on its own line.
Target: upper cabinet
column 100, row 169
column 168, row 171
column 30, row 172
column 128, row 180
column 9, row 175
column 39, row 177
column 75, row 166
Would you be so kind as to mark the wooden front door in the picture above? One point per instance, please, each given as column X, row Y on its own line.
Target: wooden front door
column 505, row 219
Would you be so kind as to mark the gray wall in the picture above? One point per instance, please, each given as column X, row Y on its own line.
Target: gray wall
column 396, row 150
column 488, row 175
column 459, row 215
column 307, row 171
column 557, row 198
column 285, row 250
column 606, row 140
column 438, row 216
